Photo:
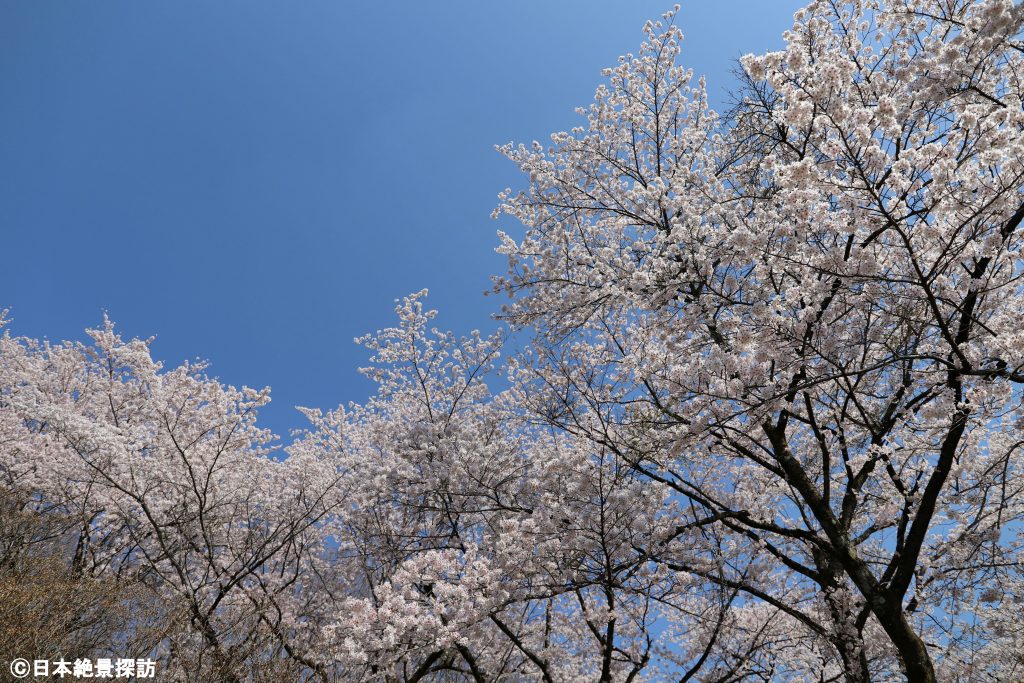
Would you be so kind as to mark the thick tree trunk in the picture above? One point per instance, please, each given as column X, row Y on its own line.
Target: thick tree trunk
column 917, row 663
column 855, row 665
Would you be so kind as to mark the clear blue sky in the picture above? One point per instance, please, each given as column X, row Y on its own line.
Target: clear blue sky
column 256, row 182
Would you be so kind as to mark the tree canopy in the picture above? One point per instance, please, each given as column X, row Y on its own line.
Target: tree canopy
column 764, row 422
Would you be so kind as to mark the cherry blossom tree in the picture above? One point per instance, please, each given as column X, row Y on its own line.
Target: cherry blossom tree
column 479, row 541
column 479, row 544
column 799, row 324
column 164, row 479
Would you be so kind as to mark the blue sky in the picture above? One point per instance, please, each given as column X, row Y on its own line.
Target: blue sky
column 256, row 182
